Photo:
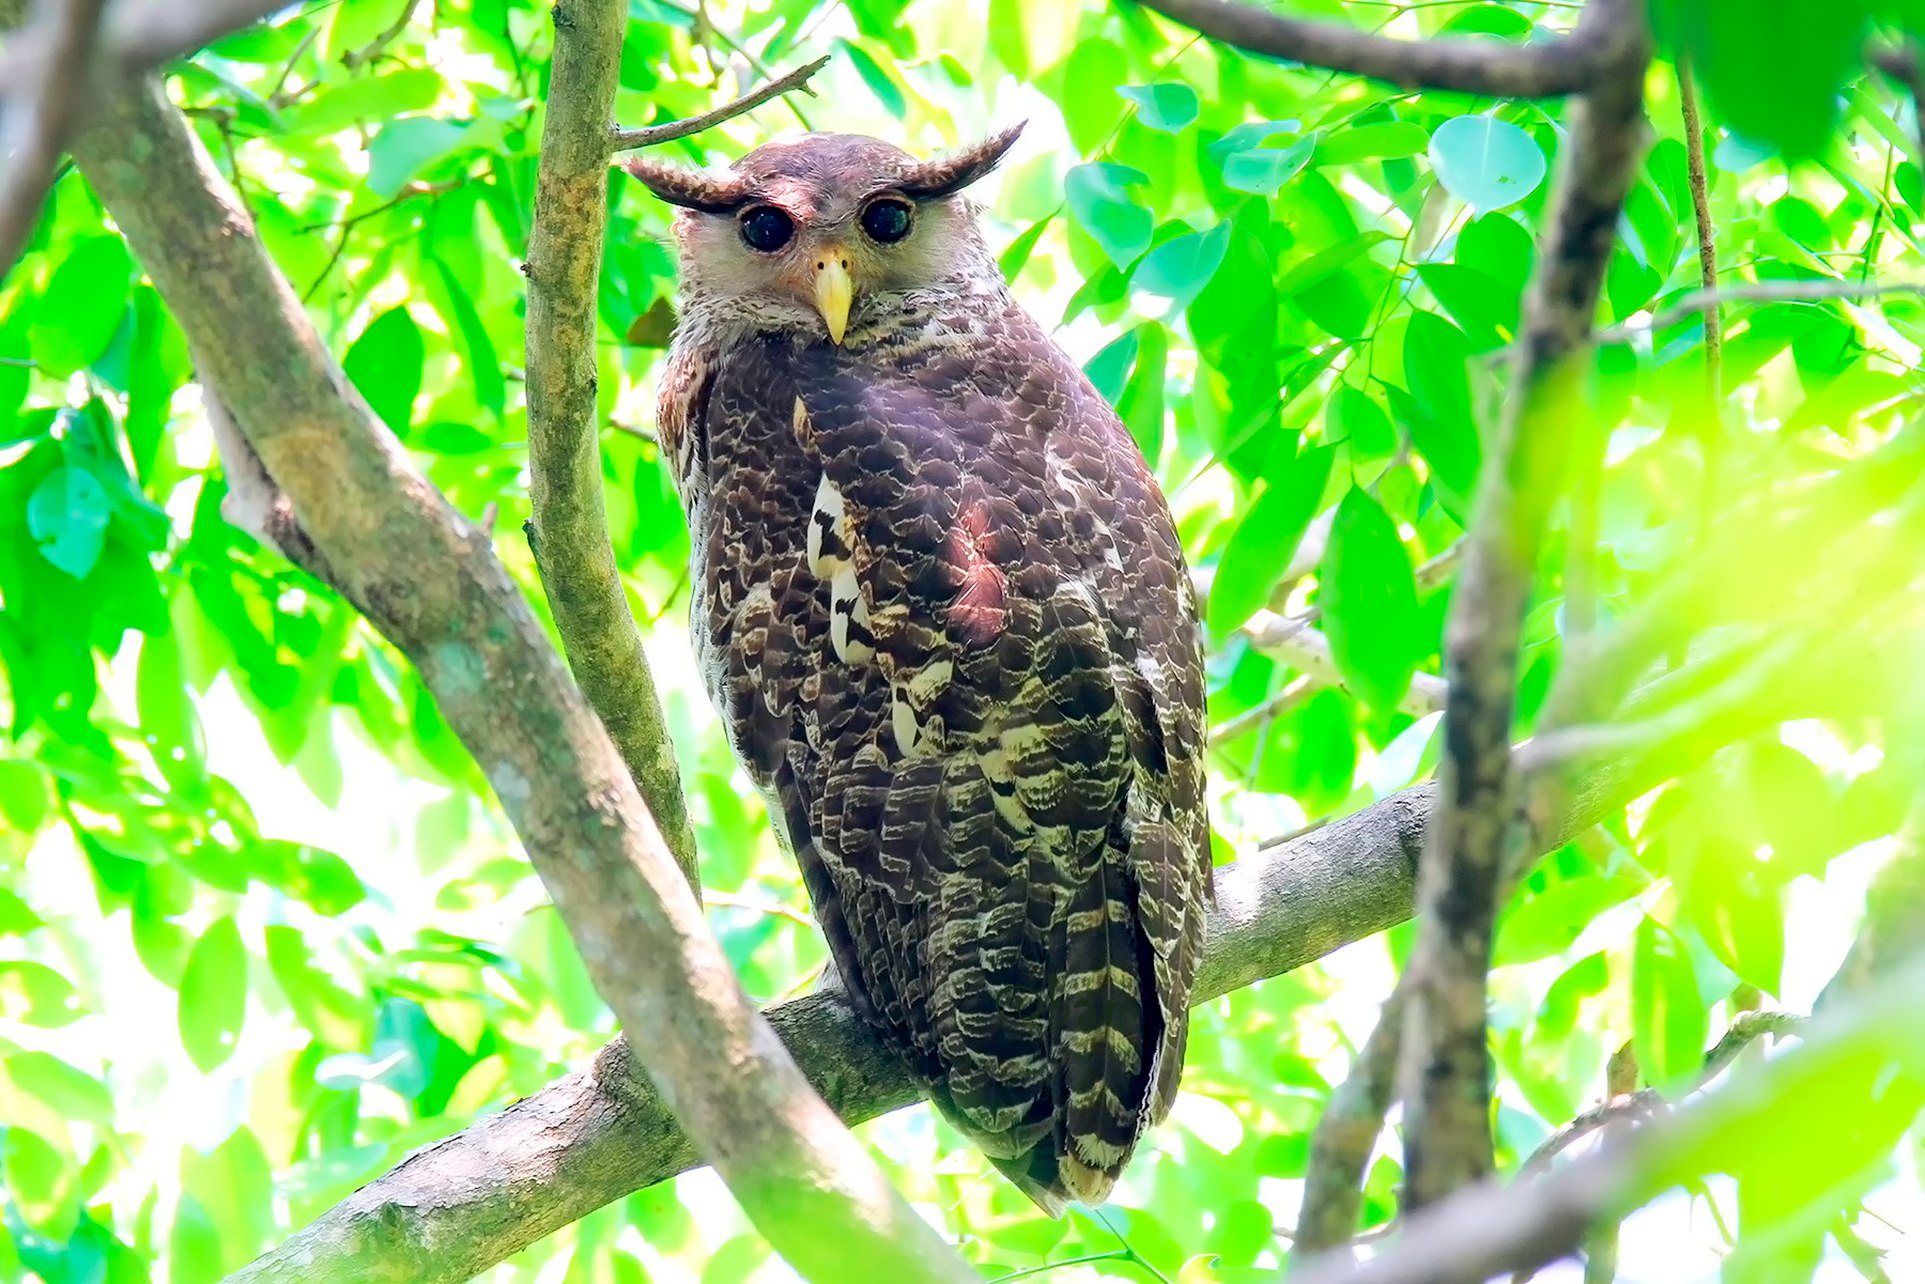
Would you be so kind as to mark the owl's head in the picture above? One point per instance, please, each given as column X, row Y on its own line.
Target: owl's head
column 802, row 232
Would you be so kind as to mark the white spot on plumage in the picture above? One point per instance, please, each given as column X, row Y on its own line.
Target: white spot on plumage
column 830, row 536
column 846, row 608
column 902, row 721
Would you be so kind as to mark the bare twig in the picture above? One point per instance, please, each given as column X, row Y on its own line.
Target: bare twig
column 569, row 527
column 622, row 140
column 355, row 59
column 1698, row 301
column 1308, row 651
column 1445, row 1072
column 1543, row 69
column 39, row 110
column 1294, row 693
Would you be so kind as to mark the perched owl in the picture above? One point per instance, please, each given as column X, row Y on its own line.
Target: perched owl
column 941, row 607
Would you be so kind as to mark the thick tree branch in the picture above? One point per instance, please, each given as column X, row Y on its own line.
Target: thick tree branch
column 1446, row 1065
column 1546, row 69
column 454, row 1209
column 40, row 106
column 430, row 581
column 569, row 528
column 652, row 135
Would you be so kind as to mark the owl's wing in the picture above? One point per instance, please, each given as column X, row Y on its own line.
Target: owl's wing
column 1004, row 743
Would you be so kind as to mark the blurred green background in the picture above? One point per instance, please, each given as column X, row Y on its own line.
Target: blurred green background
column 262, row 928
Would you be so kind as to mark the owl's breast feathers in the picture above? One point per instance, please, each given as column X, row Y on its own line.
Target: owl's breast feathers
column 945, row 616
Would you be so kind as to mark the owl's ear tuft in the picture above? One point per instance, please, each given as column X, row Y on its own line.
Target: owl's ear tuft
column 945, row 175
column 692, row 189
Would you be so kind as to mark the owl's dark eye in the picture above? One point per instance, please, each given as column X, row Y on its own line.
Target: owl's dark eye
column 887, row 220
column 767, row 228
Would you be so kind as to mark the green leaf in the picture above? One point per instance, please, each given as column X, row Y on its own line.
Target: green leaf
column 887, row 91
column 484, row 367
column 380, row 98
column 1263, row 171
column 1373, row 142
column 67, row 516
column 409, row 145
column 69, row 1092
column 1772, row 73
column 1167, row 108
column 1351, row 417
column 1485, row 162
column 1265, row 540
column 16, row 916
column 84, row 305
column 1179, row 268
column 213, row 995
column 1485, row 307
column 1369, row 599
column 1012, row 259
column 1437, row 412
column 167, row 715
column 386, row 363
column 1109, row 370
column 1667, row 1013
column 37, row 995
column 1099, row 200
column 44, row 1183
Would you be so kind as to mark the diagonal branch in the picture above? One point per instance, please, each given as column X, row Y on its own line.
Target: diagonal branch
column 431, row 583
column 1546, row 69
column 457, row 1207
column 39, row 111
column 651, row 135
column 1494, row 1228
column 569, row 527
column 1445, row 1080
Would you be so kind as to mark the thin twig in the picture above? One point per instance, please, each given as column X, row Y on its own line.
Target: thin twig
column 1697, row 301
column 623, row 140
column 1294, row 693
column 1308, row 651
column 355, row 59
column 39, row 113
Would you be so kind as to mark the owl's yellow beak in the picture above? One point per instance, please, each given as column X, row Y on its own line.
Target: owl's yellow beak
column 834, row 291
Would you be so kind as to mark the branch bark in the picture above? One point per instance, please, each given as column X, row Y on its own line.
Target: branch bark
column 1546, row 69
column 1445, row 1079
column 39, row 112
column 1495, row 1228
column 653, row 135
column 457, row 1207
column 569, row 528
column 1307, row 650
column 430, row 581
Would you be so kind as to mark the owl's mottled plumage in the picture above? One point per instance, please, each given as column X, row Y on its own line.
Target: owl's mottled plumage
column 944, row 614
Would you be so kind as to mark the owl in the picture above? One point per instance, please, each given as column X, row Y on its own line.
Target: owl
column 941, row 607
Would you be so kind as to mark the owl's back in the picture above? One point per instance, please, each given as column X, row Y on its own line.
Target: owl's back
column 942, row 609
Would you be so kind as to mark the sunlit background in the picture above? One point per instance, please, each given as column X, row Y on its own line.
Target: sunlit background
column 262, row 929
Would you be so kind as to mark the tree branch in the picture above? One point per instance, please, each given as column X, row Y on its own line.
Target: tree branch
column 569, row 527
column 1546, row 69
column 430, row 581
column 1494, row 1228
column 455, row 1208
column 1446, row 1062
column 1307, row 650
column 1699, row 301
column 622, row 140
column 39, row 111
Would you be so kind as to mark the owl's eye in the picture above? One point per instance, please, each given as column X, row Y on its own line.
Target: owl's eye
column 767, row 228
column 887, row 220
